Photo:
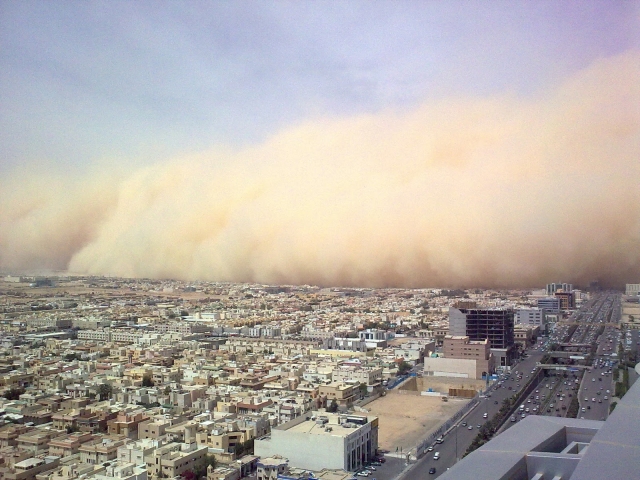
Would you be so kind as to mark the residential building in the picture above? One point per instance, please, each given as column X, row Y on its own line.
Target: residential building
column 174, row 459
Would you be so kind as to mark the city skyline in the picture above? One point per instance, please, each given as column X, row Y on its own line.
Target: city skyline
column 402, row 144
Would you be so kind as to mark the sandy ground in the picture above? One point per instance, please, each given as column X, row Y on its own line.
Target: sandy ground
column 404, row 420
column 630, row 309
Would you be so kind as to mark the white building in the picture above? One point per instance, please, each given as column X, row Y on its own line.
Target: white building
column 127, row 471
column 532, row 317
column 325, row 441
column 633, row 289
column 374, row 338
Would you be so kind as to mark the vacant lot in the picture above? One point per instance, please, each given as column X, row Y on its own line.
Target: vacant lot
column 405, row 419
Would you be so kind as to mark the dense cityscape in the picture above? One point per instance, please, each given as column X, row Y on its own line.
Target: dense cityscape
column 319, row 240
column 113, row 378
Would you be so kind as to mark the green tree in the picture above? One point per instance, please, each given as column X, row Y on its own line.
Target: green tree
column 14, row 393
column 333, row 406
column 363, row 389
column 72, row 428
column 403, row 368
column 105, row 391
column 147, row 381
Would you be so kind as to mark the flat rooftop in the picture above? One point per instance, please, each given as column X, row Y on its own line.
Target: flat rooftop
column 334, row 423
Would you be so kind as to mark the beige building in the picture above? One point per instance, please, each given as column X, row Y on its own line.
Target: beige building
column 174, row 459
column 462, row 358
column 36, row 441
column 127, row 424
column 342, row 393
column 100, row 451
column 67, row 445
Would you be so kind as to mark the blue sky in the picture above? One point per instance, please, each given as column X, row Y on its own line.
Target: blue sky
column 82, row 82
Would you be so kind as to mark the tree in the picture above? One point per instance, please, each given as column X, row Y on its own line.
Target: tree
column 244, row 447
column 333, row 406
column 200, row 470
column 105, row 391
column 72, row 429
column 363, row 389
column 403, row 368
column 14, row 393
column 147, row 381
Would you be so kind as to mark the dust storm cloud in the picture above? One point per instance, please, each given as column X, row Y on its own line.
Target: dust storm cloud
column 499, row 191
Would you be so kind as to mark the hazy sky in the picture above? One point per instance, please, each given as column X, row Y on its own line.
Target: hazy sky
column 87, row 80
column 422, row 143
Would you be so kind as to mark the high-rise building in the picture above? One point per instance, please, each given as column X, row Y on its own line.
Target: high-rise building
column 552, row 288
column 567, row 300
column 495, row 325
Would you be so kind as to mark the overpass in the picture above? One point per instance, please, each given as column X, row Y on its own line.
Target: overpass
column 544, row 366
column 589, row 324
column 567, row 355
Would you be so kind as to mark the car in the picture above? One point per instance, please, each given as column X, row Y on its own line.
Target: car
column 470, row 427
column 363, row 473
column 478, row 426
column 485, row 415
column 432, row 470
column 430, row 449
column 376, row 464
column 464, row 424
column 436, row 456
column 370, row 467
column 495, row 402
column 606, row 397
